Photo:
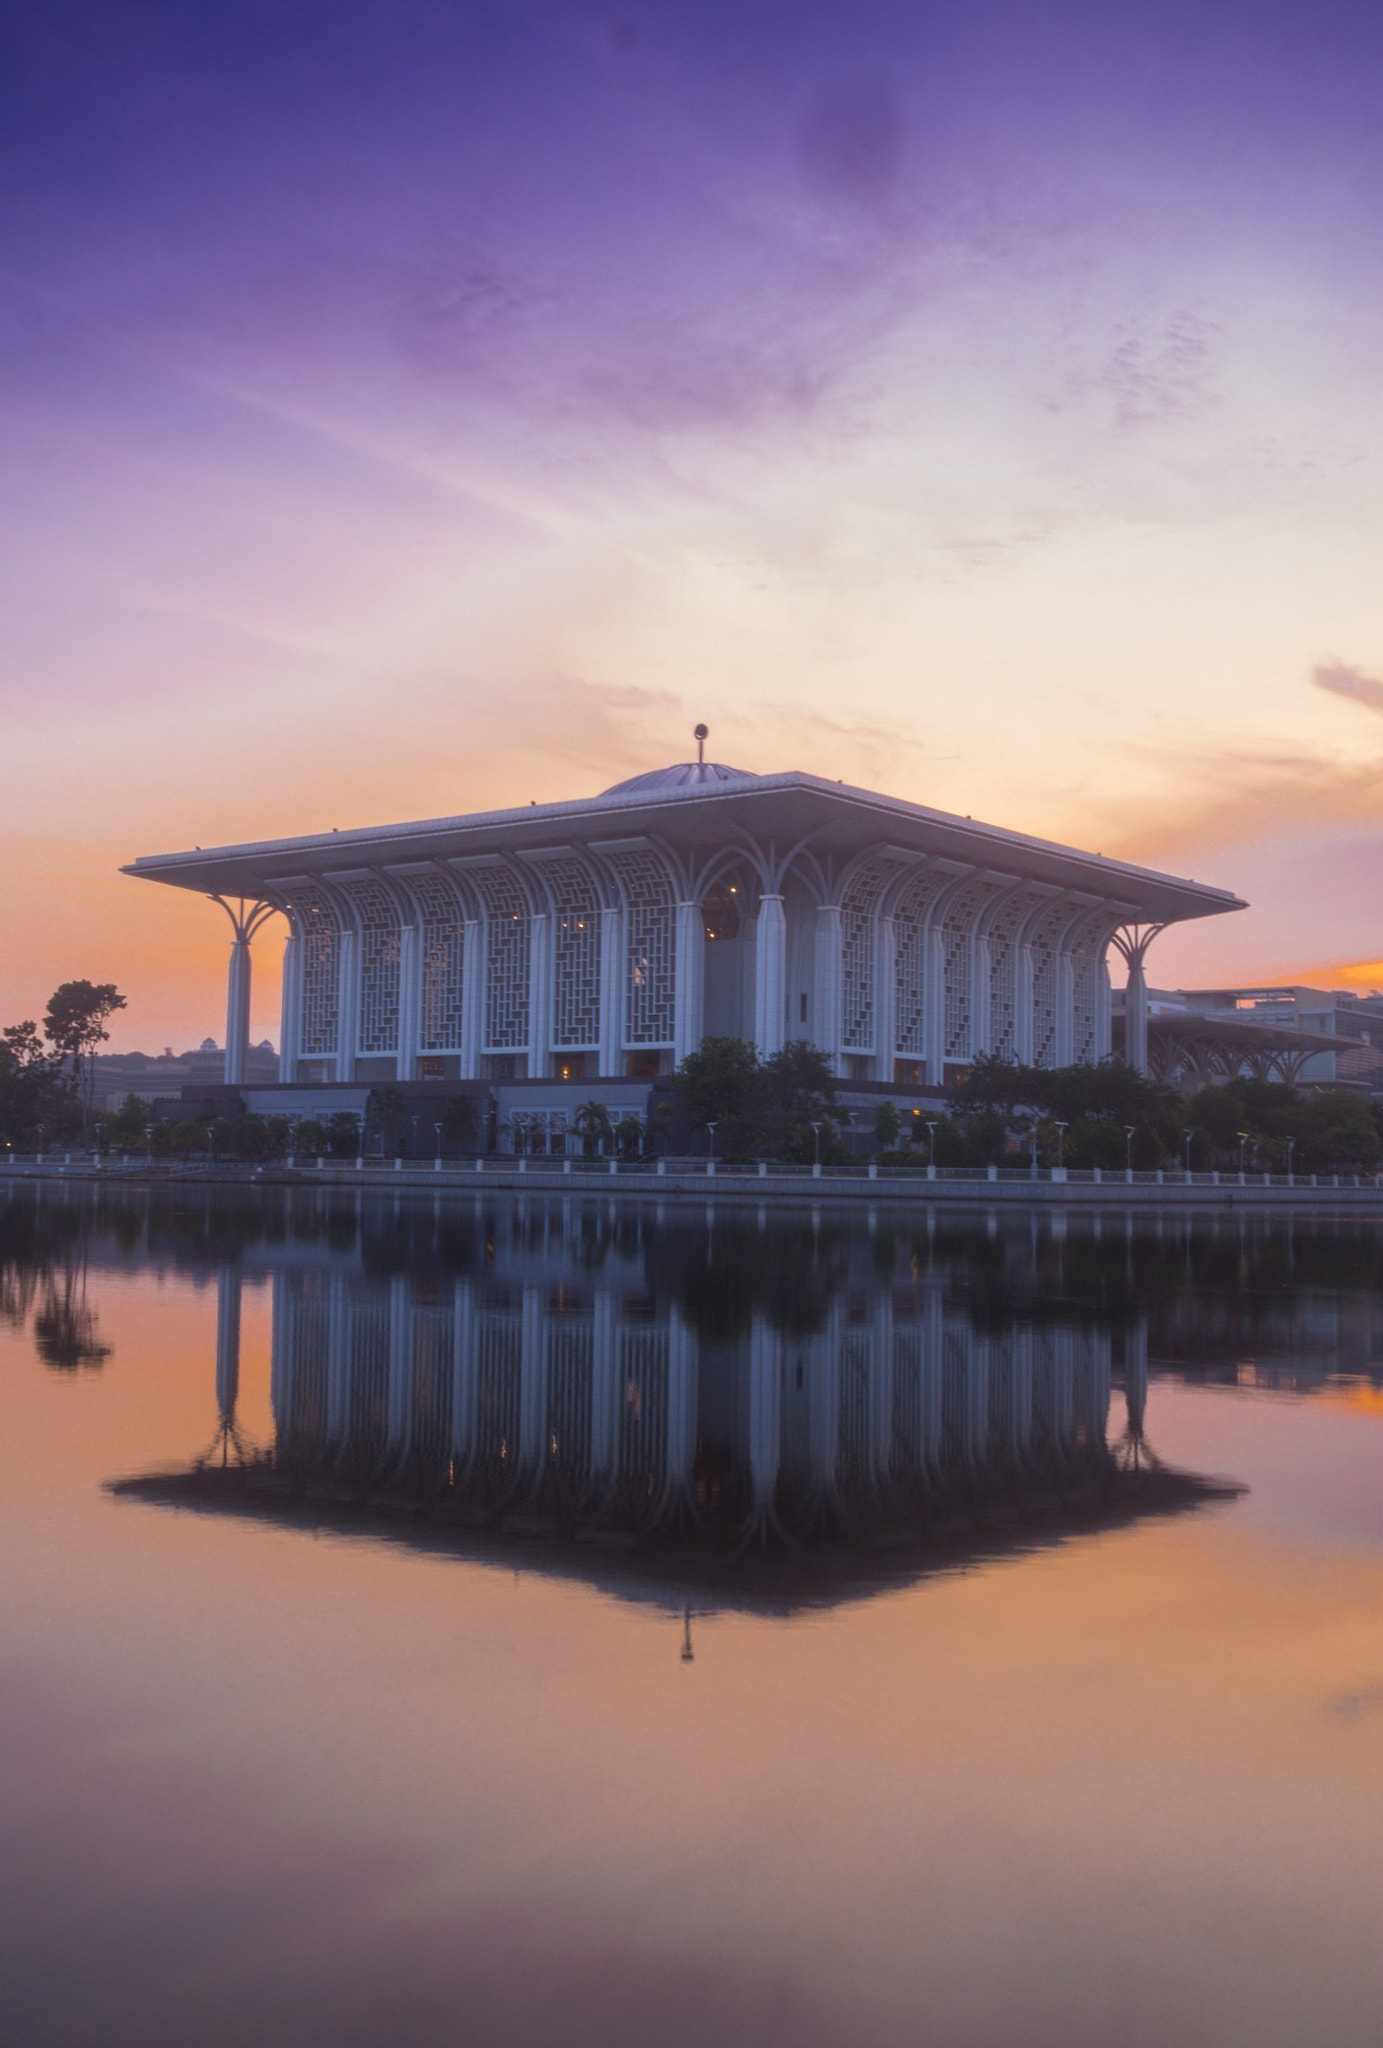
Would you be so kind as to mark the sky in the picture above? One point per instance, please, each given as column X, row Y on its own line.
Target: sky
column 414, row 408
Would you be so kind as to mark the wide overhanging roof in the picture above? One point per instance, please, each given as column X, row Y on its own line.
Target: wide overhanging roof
column 838, row 820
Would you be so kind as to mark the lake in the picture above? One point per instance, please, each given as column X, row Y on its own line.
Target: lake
column 565, row 1621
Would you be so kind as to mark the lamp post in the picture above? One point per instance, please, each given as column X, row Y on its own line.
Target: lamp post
column 1129, row 1130
column 1032, row 1152
column 711, row 1127
column 437, row 1162
column 816, row 1148
column 1243, row 1138
column 149, row 1142
column 1291, row 1148
column 931, row 1140
column 211, row 1143
column 42, row 1138
column 1187, row 1142
column 1061, row 1147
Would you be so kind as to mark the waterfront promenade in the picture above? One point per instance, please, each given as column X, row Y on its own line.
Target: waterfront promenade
column 702, row 1180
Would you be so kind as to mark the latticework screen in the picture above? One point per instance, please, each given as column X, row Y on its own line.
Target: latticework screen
column 1087, row 950
column 320, row 955
column 443, row 946
column 378, row 1029
column 958, row 931
column 1003, row 976
column 575, row 953
column 1045, row 982
column 857, row 907
column 648, row 948
column 506, row 959
column 911, row 937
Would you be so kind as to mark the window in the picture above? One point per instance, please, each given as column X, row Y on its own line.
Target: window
column 432, row 1069
column 802, row 1017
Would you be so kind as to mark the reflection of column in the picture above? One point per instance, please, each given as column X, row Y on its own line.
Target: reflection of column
column 931, row 1366
column 282, row 1330
column 976, row 1409
column 689, row 985
column 227, row 1343
column 464, row 1374
column 338, row 1360
column 830, row 990
column 612, row 991
column 400, row 1363
column 1136, row 1378
column 605, row 1391
column 289, row 1010
column 770, row 969
column 1020, row 1392
column 682, row 1362
column 410, row 992
column 765, row 1375
column 532, row 1382
column 881, row 1390
column 823, row 1389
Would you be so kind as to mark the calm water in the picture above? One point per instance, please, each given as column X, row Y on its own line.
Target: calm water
column 556, row 1623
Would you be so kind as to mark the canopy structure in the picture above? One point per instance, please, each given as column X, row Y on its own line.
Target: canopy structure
column 604, row 938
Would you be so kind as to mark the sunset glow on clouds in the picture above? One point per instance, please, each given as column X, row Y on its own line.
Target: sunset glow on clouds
column 409, row 409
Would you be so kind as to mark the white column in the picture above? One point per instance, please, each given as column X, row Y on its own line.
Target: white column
column 688, row 1015
column 885, row 1000
column 237, row 1011
column 981, row 968
column 934, row 1006
column 410, row 1000
column 289, row 1008
column 539, row 994
column 347, row 1004
column 1136, row 1016
column 1022, row 1004
column 1065, row 1009
column 770, row 969
column 830, row 990
column 1102, row 1008
column 472, row 999
column 611, row 990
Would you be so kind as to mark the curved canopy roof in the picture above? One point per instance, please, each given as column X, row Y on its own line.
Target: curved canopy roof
column 682, row 775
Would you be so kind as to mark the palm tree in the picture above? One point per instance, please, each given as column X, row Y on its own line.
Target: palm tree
column 593, row 1127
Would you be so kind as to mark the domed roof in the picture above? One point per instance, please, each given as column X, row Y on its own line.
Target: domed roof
column 683, row 775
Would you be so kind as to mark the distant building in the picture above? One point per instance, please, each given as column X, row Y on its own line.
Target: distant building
column 535, row 952
column 166, row 1077
column 1305, row 1036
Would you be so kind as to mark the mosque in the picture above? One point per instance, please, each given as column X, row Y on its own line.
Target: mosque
column 541, row 951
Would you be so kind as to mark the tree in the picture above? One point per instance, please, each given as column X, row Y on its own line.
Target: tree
column 763, row 1108
column 592, row 1125
column 75, row 1023
column 35, row 1092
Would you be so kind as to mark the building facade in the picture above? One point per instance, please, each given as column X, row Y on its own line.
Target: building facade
column 603, row 939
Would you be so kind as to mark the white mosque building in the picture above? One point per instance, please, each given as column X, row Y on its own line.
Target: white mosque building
column 544, row 949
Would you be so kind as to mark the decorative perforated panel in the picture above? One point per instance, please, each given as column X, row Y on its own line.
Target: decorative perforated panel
column 910, row 954
column 443, row 936
column 1003, row 975
column 1046, row 934
column 320, row 955
column 1086, row 946
column 958, row 930
column 506, row 958
column 858, row 905
column 378, row 1017
column 575, row 953
column 649, row 943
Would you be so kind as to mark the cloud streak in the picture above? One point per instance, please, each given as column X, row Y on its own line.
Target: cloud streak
column 1349, row 682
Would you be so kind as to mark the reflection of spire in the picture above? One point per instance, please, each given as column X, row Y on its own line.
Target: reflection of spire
column 1133, row 1453
column 227, row 1446
column 688, row 1654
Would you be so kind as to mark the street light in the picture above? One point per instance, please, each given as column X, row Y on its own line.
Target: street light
column 438, row 1129
column 1291, row 1148
column 711, row 1123
column 1189, row 1136
column 149, row 1142
column 211, row 1142
column 816, row 1146
column 1243, row 1138
column 1060, row 1146
column 1129, row 1130
column 931, row 1140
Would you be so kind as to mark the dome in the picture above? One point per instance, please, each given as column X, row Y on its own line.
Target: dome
column 689, row 775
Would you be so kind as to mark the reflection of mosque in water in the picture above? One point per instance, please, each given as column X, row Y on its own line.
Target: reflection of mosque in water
column 579, row 1423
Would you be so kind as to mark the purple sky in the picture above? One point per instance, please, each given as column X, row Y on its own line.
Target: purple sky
column 408, row 408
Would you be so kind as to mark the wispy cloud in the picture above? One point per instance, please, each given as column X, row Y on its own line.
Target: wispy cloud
column 1348, row 682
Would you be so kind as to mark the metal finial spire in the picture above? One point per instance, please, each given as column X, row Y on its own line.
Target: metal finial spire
column 701, row 734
